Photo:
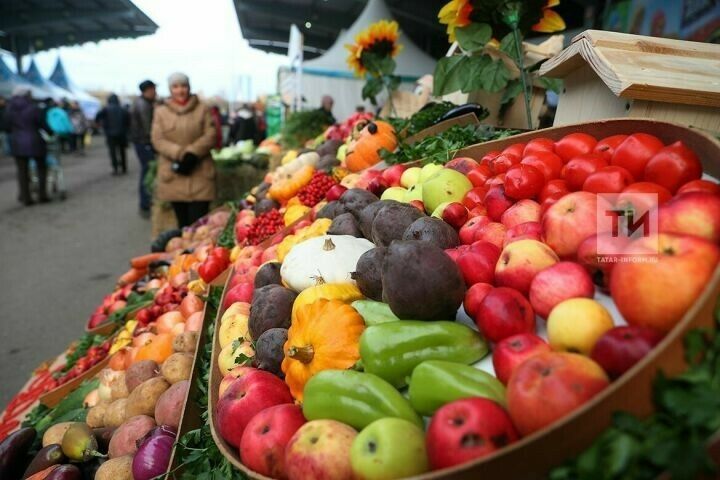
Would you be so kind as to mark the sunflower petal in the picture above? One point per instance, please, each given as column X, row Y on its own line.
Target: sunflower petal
column 551, row 22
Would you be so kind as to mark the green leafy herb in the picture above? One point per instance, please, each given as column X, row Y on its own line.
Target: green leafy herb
column 673, row 439
column 303, row 126
column 135, row 301
column 227, row 236
column 427, row 117
column 81, row 348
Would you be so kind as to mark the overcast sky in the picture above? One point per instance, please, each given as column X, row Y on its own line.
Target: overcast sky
column 200, row 38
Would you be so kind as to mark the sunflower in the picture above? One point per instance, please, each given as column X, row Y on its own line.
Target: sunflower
column 379, row 39
column 454, row 14
column 551, row 21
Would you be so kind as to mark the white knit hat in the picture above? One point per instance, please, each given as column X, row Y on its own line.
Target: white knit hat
column 178, row 78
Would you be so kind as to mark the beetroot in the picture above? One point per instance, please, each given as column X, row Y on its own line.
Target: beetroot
column 391, row 222
column 345, row 224
column 368, row 273
column 432, row 230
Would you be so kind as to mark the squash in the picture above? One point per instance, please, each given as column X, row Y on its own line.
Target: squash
column 365, row 151
column 307, row 158
column 158, row 348
column 315, row 229
column 295, row 212
column 343, row 292
column 324, row 335
column 289, row 157
column 326, row 259
column 284, row 188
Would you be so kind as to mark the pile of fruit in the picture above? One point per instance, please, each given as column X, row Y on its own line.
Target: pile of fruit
column 448, row 311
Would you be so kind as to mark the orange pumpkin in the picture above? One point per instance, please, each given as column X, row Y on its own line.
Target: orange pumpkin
column 284, row 188
column 157, row 349
column 365, row 151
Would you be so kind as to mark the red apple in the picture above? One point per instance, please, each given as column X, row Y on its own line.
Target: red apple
column 462, row 164
column 335, row 192
column 475, row 197
column 469, row 231
column 522, row 212
column 548, row 386
column 520, row 262
column 466, row 430
column 320, row 450
column 242, row 292
column 492, row 232
column 597, row 252
column 504, row 312
column 692, row 213
column 377, row 186
column 477, row 262
column 477, row 211
column 557, row 283
column 418, row 204
column 455, row 214
column 523, row 231
column 571, row 220
column 244, row 398
column 510, row 352
column 474, row 297
column 242, row 227
column 391, row 175
column 262, row 447
column 497, row 202
column 618, row 349
column 657, row 292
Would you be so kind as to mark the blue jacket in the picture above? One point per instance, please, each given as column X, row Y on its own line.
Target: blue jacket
column 59, row 121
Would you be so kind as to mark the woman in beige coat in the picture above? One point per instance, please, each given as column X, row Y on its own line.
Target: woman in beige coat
column 183, row 133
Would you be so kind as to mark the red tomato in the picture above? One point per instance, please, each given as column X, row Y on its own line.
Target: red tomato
column 475, row 197
column 210, row 269
column 673, row 166
column 496, row 180
column 606, row 147
column 610, row 179
column 547, row 162
column 579, row 168
column 516, row 149
column 700, row 186
column 479, row 175
column 553, row 187
column 574, row 144
column 503, row 162
column 539, row 145
column 661, row 195
column 635, row 152
column 489, row 157
column 523, row 181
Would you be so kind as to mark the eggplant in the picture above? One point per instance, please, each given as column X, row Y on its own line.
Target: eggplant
column 46, row 457
column 89, row 469
column 103, row 436
column 13, row 452
column 65, row 472
column 479, row 111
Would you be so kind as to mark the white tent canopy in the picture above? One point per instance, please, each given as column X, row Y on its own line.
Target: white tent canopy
column 88, row 104
column 33, row 75
column 9, row 80
column 329, row 74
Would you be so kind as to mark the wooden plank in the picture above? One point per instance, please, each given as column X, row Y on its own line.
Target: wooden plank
column 585, row 97
column 645, row 44
column 705, row 118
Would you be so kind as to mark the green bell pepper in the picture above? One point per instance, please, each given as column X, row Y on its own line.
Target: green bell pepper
column 435, row 383
column 354, row 398
column 392, row 350
column 374, row 313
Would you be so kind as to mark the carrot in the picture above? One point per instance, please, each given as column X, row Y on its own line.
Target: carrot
column 141, row 262
column 131, row 276
column 42, row 474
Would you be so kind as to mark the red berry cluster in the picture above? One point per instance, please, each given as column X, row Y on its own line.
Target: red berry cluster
column 312, row 193
column 166, row 301
column 265, row 225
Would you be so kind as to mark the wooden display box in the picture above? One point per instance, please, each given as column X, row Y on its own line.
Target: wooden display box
column 440, row 127
column 608, row 74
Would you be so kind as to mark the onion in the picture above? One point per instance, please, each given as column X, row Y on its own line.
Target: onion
column 153, row 455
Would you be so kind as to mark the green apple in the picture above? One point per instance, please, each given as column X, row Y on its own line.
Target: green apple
column 410, row 177
column 394, row 193
column 437, row 213
column 429, row 170
column 342, row 152
column 447, row 185
column 413, row 193
column 389, row 448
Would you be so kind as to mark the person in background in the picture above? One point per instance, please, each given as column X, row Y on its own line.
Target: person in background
column 244, row 126
column 66, row 141
column 217, row 121
column 115, row 121
column 141, row 116
column 183, row 132
column 59, row 122
column 326, row 106
column 23, row 120
column 80, row 126
column 260, row 122
column 4, row 147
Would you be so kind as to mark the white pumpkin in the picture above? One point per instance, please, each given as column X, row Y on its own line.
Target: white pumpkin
column 286, row 171
column 325, row 259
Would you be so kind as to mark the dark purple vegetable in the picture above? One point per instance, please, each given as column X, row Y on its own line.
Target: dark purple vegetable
column 103, row 436
column 46, row 457
column 13, row 451
column 65, row 472
column 154, row 451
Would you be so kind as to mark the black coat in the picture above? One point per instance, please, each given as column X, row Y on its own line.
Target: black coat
column 24, row 120
column 114, row 119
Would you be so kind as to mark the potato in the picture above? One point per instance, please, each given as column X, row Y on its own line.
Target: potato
column 116, row 413
column 169, row 407
column 139, row 372
column 119, row 468
column 185, row 342
column 123, row 441
column 177, row 367
column 55, row 433
column 118, row 389
column 142, row 399
column 96, row 415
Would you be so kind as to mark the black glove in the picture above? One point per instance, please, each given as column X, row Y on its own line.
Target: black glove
column 186, row 165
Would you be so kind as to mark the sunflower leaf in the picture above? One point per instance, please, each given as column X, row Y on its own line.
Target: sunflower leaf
column 495, row 76
column 473, row 37
column 450, row 75
column 507, row 45
column 476, row 64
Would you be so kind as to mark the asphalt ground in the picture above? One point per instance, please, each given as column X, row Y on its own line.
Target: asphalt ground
column 58, row 260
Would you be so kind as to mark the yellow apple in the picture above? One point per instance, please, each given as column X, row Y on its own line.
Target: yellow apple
column 394, row 193
column 575, row 325
column 233, row 328
column 410, row 177
column 429, row 170
column 227, row 360
column 520, row 261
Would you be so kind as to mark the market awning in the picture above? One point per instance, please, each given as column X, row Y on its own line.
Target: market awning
column 28, row 26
